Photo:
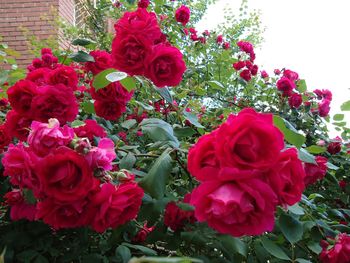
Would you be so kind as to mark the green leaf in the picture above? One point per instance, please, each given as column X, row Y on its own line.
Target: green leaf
column 165, row 260
column 234, row 245
column 301, row 260
column 301, row 86
column 81, row 56
column 296, row 209
column 159, row 130
column 291, row 228
column 165, row 93
column 124, row 253
column 216, row 85
column 128, row 83
column 147, row 251
column 100, row 81
column 145, row 106
column 88, row 107
column 3, row 76
column 316, row 149
column 290, row 136
column 345, row 106
column 332, row 166
column 273, row 249
column 155, row 181
column 40, row 259
column 314, row 247
column 192, row 118
column 185, row 206
column 306, row 157
column 77, row 123
column 128, row 123
column 338, row 117
column 127, row 162
column 116, row 76
column 82, row 42
column 184, row 132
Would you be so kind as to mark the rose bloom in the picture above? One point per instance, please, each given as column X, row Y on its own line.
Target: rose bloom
column 202, row 159
column 63, row 75
column 248, row 140
column 5, row 138
column 238, row 65
column 314, row 172
column 46, row 137
column 90, row 130
column 219, row 39
column 175, row 218
column 246, row 75
column 324, row 108
column 102, row 156
column 334, row 147
column 165, row 66
column 295, row 100
column 143, row 3
column 60, row 215
column 19, row 164
column 115, row 205
column 65, row 175
column 287, row 177
column 254, row 70
column 21, row 95
column 38, row 76
column 339, row 253
column 293, row 76
column 129, row 53
column 182, row 15
column 17, row 126
column 286, row 86
column 264, row 74
column 113, row 92
column 109, row 110
column 20, row 209
column 103, row 61
column 142, row 234
column 237, row 208
column 226, row 45
column 55, row 102
column 140, row 23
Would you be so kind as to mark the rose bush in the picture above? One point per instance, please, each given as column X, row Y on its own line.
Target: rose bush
column 168, row 142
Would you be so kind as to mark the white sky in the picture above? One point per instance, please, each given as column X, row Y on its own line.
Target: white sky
column 311, row 37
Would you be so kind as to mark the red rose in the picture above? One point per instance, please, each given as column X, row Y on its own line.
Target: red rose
column 175, row 218
column 219, row 39
column 103, row 60
column 248, row 140
column 38, row 76
column 182, row 15
column 236, row 208
column 293, row 76
column 109, row 110
column 19, row 164
column 90, row 130
column 314, row 172
column 129, row 53
column 17, row 126
column 202, row 158
column 113, row 92
column 245, row 46
column 238, row 65
column 64, row 214
column 65, row 175
column 287, row 177
column 20, row 209
column 165, row 66
column 143, row 3
column 5, row 138
column 254, row 70
column 324, row 108
column 115, row 205
column 55, row 102
column 339, row 253
column 286, row 86
column 334, row 147
column 246, row 75
column 226, row 45
column 264, row 74
column 63, row 75
column 139, row 23
column 295, row 100
column 21, row 95
column 141, row 236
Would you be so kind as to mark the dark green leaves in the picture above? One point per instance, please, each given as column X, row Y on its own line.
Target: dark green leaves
column 273, row 249
column 124, row 253
column 192, row 118
column 155, row 181
column 291, row 228
column 290, row 134
column 165, row 93
column 234, row 245
column 106, row 77
column 82, row 42
column 81, row 56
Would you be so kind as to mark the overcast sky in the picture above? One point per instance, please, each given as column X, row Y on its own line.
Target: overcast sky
column 311, row 37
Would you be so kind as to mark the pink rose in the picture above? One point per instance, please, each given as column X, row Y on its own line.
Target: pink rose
column 264, row 74
column 324, row 108
column 102, row 156
column 237, row 208
column 46, row 137
column 219, row 39
column 293, row 76
column 182, row 15
column 248, row 140
column 339, row 253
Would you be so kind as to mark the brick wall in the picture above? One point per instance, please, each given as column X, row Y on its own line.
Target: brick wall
column 30, row 14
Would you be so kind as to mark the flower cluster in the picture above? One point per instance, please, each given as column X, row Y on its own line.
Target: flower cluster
column 249, row 69
column 63, row 180
column 339, row 253
column 46, row 92
column 182, row 15
column 286, row 84
column 325, row 97
column 244, row 174
column 315, row 172
column 140, row 48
